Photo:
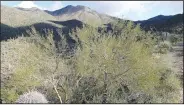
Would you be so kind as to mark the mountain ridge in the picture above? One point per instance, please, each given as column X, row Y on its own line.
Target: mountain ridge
column 16, row 17
column 82, row 13
column 170, row 23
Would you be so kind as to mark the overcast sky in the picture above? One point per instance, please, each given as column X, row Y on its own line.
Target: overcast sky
column 133, row 10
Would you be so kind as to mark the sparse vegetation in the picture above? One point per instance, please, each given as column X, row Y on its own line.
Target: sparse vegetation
column 104, row 68
column 174, row 39
column 163, row 47
column 93, row 58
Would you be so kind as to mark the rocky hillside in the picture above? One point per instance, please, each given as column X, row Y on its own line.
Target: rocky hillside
column 81, row 13
column 14, row 20
column 172, row 23
column 16, row 17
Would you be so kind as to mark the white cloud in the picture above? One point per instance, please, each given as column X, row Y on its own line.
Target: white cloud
column 28, row 4
column 56, row 5
column 135, row 10
column 119, row 8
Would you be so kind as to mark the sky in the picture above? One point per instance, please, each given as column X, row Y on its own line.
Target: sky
column 132, row 10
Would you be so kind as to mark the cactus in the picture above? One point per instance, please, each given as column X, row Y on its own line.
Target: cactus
column 32, row 97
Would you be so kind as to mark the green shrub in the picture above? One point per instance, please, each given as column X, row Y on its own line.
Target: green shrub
column 163, row 47
column 119, row 60
column 174, row 39
column 23, row 76
column 168, row 89
column 105, row 68
column 37, row 65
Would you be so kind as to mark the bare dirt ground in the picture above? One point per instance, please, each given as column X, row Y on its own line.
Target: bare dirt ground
column 174, row 60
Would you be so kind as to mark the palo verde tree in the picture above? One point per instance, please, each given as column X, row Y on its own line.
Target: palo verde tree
column 122, row 65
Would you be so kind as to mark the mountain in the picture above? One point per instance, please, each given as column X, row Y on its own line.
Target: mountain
column 16, row 17
column 81, row 13
column 19, row 19
column 154, row 20
column 15, row 20
column 172, row 23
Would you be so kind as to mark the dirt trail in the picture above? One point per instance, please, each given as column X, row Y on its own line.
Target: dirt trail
column 174, row 60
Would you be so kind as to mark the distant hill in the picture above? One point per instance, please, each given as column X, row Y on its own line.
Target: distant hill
column 172, row 23
column 65, row 27
column 16, row 17
column 15, row 20
column 81, row 13
column 19, row 19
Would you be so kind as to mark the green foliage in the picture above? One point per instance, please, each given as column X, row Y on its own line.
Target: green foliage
column 8, row 95
column 25, row 75
column 168, row 90
column 33, row 67
column 126, row 60
column 163, row 47
column 174, row 39
column 115, row 67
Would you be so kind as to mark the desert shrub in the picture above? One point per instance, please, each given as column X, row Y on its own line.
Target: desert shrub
column 87, row 89
column 105, row 68
column 32, row 97
column 163, row 47
column 22, row 76
column 119, row 62
column 58, row 78
column 168, row 89
column 174, row 39
column 39, row 65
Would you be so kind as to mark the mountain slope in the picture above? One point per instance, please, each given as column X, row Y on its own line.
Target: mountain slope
column 81, row 13
column 173, row 23
column 16, row 17
column 15, row 22
column 19, row 19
